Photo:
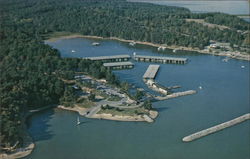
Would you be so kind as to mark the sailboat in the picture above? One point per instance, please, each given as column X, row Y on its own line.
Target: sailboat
column 78, row 121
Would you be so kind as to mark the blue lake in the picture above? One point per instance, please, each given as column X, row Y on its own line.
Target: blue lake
column 200, row 6
column 225, row 95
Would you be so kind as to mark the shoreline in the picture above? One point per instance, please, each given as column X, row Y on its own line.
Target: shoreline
column 29, row 144
column 235, row 55
column 143, row 118
column 23, row 151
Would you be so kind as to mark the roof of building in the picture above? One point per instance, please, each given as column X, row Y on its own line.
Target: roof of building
column 161, row 57
column 117, row 64
column 151, row 71
column 108, row 57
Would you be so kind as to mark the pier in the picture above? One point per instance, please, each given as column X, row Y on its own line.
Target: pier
column 119, row 65
column 151, row 72
column 174, row 95
column 216, row 128
column 114, row 58
column 160, row 59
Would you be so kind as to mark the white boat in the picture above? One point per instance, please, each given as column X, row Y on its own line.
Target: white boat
column 73, row 51
column 161, row 48
column 78, row 121
column 134, row 54
column 174, row 51
column 200, row 87
column 242, row 66
column 225, row 59
column 95, row 44
column 132, row 43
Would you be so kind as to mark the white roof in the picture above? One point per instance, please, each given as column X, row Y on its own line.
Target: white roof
column 161, row 57
column 108, row 57
column 151, row 71
column 117, row 64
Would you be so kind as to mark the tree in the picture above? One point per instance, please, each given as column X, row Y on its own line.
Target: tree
column 138, row 95
column 91, row 97
column 148, row 105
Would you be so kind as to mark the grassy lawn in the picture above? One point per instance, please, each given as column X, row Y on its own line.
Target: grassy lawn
column 114, row 98
column 85, row 103
column 100, row 93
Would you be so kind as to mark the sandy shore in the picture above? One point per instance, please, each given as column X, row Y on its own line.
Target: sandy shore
column 236, row 55
column 21, row 152
column 28, row 144
column 145, row 118
column 82, row 111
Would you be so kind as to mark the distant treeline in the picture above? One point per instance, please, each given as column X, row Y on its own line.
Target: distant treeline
column 31, row 71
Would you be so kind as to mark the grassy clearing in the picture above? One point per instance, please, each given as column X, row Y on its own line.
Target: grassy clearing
column 85, row 103
column 114, row 98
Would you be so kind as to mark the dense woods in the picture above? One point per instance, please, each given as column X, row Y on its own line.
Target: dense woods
column 31, row 71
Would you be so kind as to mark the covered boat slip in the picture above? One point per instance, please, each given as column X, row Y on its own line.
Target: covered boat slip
column 114, row 58
column 160, row 59
column 119, row 65
column 151, row 72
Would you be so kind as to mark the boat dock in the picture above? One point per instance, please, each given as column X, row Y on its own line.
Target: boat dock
column 216, row 128
column 114, row 58
column 160, row 59
column 119, row 65
column 151, row 72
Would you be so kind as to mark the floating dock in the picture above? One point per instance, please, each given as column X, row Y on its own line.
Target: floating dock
column 119, row 65
column 160, row 59
column 216, row 128
column 151, row 72
column 114, row 58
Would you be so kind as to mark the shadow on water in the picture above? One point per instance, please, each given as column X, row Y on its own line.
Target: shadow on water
column 162, row 109
column 83, row 122
column 38, row 125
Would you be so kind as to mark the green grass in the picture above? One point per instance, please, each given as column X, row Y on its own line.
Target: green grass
column 114, row 98
column 100, row 93
column 85, row 103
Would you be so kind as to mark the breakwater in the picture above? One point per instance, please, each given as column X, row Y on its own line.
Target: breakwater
column 174, row 95
column 216, row 128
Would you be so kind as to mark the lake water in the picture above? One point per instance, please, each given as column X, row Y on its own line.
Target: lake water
column 225, row 95
column 224, row 6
